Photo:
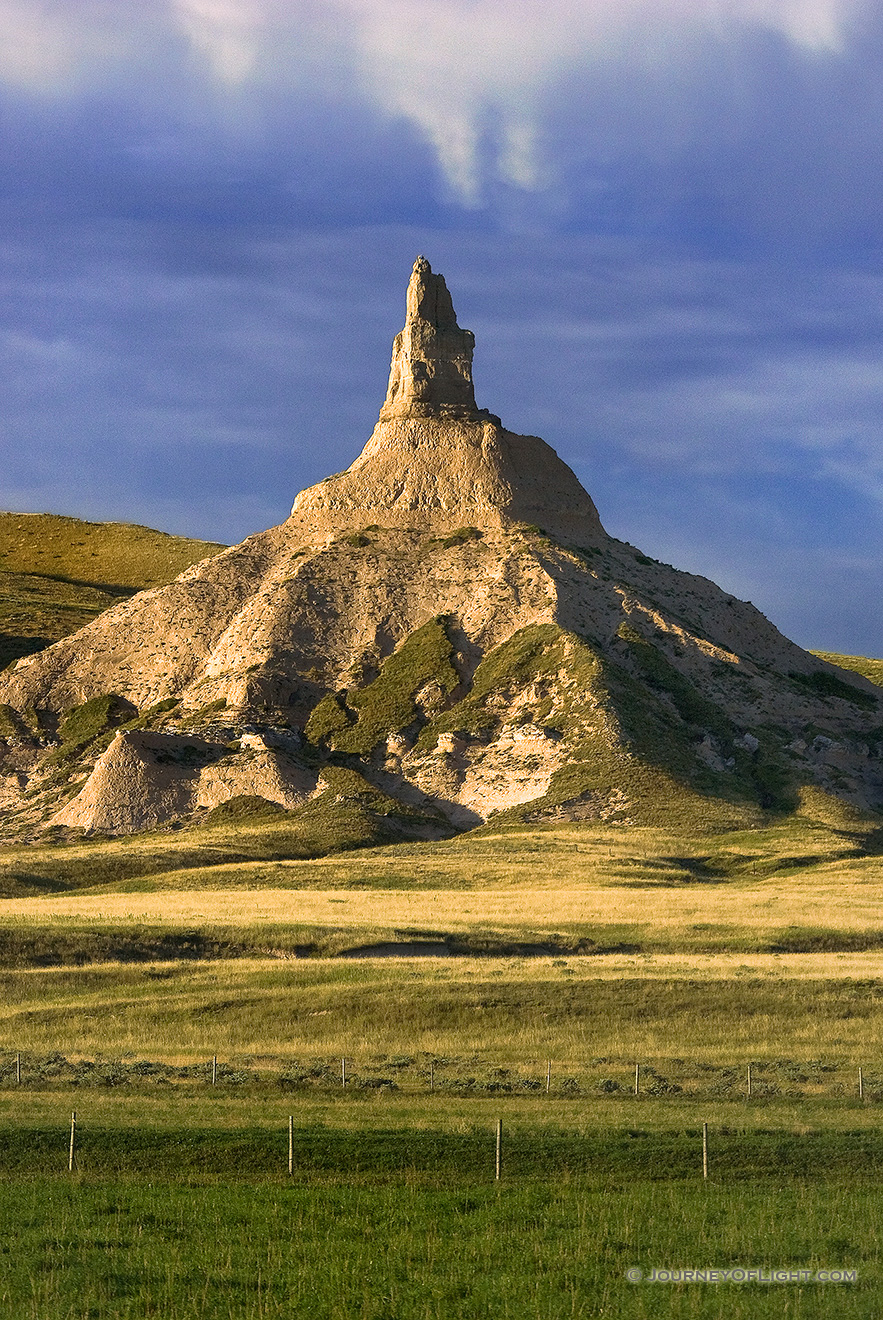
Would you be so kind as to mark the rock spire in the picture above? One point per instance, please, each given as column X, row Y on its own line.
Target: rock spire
column 431, row 372
column 436, row 461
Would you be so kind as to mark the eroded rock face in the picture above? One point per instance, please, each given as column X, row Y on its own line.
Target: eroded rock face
column 471, row 780
column 442, row 475
column 431, row 371
column 549, row 662
column 141, row 780
column 145, row 779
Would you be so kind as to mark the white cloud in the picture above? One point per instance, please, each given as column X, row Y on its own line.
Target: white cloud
column 49, row 47
column 228, row 33
column 473, row 75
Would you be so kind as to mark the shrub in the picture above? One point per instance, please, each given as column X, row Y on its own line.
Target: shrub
column 822, row 684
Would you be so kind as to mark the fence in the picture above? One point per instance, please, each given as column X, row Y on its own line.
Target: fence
column 756, row 1080
column 490, row 1152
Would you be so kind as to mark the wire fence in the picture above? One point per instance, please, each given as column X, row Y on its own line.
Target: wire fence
column 461, row 1076
column 493, row 1150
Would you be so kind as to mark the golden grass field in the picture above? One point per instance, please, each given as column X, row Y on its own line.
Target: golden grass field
column 756, row 944
column 853, row 902
column 716, row 949
column 721, row 1010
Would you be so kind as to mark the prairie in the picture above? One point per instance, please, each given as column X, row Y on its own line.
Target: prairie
column 431, row 1246
column 496, row 1012
column 659, row 914
column 827, row 838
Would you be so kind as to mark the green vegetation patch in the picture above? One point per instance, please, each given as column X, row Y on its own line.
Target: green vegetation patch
column 348, row 789
column 632, row 737
column 660, row 674
column 244, row 807
column 668, row 738
column 424, row 660
column 538, row 653
column 205, row 714
column 822, row 684
column 328, row 718
column 460, row 536
column 88, row 722
column 11, row 723
column 152, row 717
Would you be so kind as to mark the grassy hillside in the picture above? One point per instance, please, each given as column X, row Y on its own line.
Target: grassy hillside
column 859, row 664
column 57, row 574
column 247, row 851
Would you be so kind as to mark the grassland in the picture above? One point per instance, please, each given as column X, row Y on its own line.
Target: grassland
column 515, row 1013
column 428, row 1247
column 57, row 574
column 823, row 833
column 127, row 964
column 866, row 666
column 807, row 884
column 181, row 1205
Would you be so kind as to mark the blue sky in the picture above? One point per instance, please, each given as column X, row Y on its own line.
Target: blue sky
column 663, row 221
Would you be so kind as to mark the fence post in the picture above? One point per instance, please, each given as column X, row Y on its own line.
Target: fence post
column 215, row 1070
column 432, row 1074
column 291, row 1143
column 343, row 1071
column 749, row 1081
column 637, row 1079
column 499, row 1163
column 18, row 1069
column 548, row 1077
column 704, row 1150
column 861, row 1084
column 71, row 1159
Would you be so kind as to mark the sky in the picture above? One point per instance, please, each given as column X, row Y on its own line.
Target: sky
column 663, row 220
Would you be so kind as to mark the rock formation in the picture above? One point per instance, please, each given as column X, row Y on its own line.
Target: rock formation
column 447, row 622
column 431, row 371
column 437, row 462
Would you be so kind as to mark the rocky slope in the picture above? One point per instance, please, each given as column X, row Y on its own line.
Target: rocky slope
column 448, row 623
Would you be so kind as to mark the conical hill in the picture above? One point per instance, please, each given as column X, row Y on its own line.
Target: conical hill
column 444, row 631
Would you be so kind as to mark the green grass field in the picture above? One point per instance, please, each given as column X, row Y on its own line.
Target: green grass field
column 127, row 965
column 412, row 1247
column 496, row 1012
column 408, row 1221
